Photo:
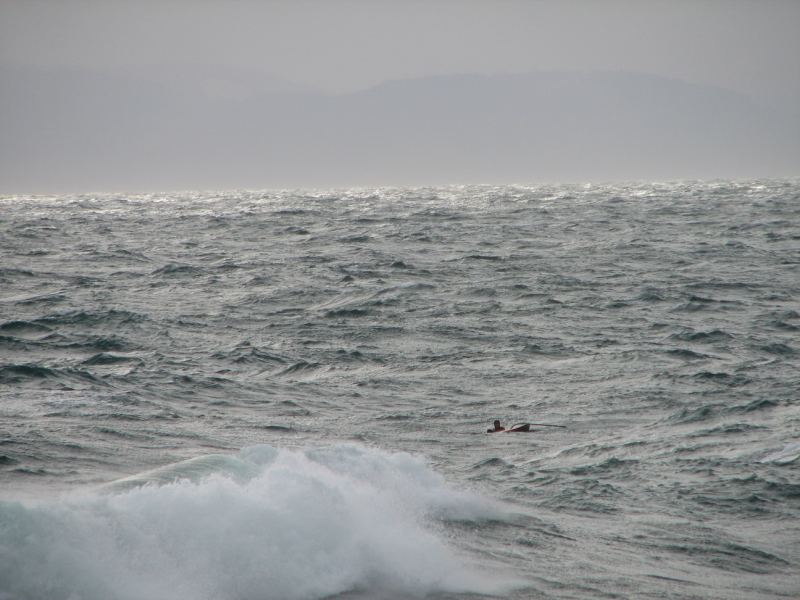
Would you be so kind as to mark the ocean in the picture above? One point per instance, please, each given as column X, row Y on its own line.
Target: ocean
column 286, row 394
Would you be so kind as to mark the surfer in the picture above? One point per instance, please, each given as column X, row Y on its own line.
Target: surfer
column 519, row 427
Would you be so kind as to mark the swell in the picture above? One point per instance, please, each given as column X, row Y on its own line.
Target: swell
column 277, row 515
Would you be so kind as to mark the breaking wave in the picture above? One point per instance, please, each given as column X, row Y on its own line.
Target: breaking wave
column 263, row 523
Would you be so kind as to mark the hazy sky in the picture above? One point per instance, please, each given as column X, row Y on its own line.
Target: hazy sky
column 177, row 94
column 748, row 46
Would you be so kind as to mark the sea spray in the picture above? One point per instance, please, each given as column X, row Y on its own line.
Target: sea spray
column 264, row 523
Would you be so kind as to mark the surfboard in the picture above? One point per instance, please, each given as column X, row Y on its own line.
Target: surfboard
column 518, row 428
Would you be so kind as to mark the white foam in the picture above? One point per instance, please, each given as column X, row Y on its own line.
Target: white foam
column 262, row 524
column 782, row 457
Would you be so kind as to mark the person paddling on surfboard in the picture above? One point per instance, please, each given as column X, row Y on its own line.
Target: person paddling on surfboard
column 520, row 427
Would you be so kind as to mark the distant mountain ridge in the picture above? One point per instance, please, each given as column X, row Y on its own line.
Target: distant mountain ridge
column 80, row 130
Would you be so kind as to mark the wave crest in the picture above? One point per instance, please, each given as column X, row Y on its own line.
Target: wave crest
column 264, row 523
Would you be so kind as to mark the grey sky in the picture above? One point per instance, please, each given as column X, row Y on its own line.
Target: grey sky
column 179, row 94
column 748, row 46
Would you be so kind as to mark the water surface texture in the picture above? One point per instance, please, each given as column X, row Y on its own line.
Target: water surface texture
column 284, row 395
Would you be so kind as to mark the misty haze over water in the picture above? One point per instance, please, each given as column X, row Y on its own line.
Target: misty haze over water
column 191, row 130
column 128, row 97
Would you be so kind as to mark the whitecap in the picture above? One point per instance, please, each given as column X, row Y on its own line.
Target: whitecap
column 261, row 524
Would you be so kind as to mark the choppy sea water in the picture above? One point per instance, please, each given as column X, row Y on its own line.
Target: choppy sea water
column 284, row 395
